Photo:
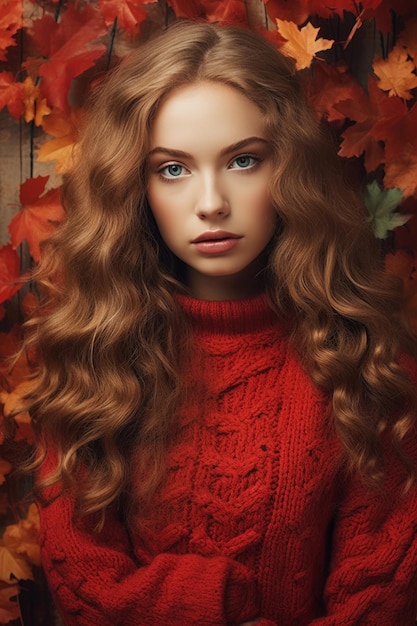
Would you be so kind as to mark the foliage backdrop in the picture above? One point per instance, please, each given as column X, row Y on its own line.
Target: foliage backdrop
column 358, row 64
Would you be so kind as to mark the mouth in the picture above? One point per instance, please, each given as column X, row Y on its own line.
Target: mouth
column 216, row 235
column 216, row 242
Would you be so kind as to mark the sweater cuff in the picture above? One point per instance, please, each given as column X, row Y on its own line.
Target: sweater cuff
column 242, row 602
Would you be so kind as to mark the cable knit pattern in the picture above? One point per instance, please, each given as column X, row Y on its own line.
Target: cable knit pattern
column 256, row 517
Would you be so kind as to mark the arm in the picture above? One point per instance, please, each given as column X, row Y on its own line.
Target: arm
column 373, row 568
column 95, row 580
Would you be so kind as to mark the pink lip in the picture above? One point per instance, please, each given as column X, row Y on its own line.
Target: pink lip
column 216, row 242
column 214, row 235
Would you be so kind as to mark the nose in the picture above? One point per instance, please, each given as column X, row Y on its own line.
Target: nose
column 211, row 199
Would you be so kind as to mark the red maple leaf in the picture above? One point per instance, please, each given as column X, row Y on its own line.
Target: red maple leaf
column 383, row 13
column 192, row 9
column 329, row 86
column 226, row 12
column 220, row 11
column 129, row 13
column 298, row 11
column 12, row 94
column 374, row 112
column 10, row 22
column 9, row 273
column 70, row 48
column 38, row 217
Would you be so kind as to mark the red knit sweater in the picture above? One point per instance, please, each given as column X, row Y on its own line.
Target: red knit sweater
column 256, row 518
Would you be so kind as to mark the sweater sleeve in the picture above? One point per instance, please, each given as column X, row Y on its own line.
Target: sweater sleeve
column 95, row 580
column 373, row 569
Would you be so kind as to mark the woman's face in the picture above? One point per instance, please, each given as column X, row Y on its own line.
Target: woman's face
column 209, row 171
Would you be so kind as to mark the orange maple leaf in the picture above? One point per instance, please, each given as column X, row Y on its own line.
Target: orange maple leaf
column 12, row 403
column 23, row 538
column 39, row 215
column 65, row 129
column 396, row 74
column 10, row 22
column 302, row 43
column 35, row 106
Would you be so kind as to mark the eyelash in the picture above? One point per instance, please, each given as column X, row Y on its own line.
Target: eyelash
column 171, row 179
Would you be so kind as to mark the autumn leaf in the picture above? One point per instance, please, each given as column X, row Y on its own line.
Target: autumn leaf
column 382, row 205
column 184, row 8
column 302, row 43
column 402, row 171
column 70, row 48
column 39, row 215
column 9, row 608
column 383, row 13
column 129, row 13
column 35, row 106
column 11, row 94
column 10, row 22
column 65, row 129
column 298, row 11
column 12, row 402
column 400, row 264
column 226, row 12
column 23, row 538
column 13, row 567
column 408, row 38
column 330, row 86
column 375, row 114
column 396, row 74
column 401, row 153
column 9, row 273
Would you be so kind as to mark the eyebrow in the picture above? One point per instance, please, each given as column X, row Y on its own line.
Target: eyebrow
column 232, row 148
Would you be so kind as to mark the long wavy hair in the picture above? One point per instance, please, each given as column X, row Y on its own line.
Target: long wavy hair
column 106, row 338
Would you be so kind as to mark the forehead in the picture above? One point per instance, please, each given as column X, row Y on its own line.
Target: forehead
column 205, row 113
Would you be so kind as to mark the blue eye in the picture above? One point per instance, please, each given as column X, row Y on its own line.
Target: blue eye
column 245, row 161
column 173, row 170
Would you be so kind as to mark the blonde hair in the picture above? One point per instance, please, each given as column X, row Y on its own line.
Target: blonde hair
column 109, row 375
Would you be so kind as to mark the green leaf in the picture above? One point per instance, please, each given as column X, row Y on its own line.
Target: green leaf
column 382, row 205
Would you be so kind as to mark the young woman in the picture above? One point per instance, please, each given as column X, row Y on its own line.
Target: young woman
column 224, row 407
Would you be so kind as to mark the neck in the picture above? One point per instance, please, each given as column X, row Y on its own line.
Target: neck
column 245, row 284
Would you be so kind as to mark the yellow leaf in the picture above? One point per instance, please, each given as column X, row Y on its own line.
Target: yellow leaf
column 35, row 108
column 302, row 43
column 61, row 149
column 13, row 566
column 396, row 74
column 22, row 538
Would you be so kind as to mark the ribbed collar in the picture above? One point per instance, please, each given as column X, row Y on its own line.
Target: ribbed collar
column 228, row 316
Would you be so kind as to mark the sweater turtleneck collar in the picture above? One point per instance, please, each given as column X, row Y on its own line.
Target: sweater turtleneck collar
column 228, row 316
